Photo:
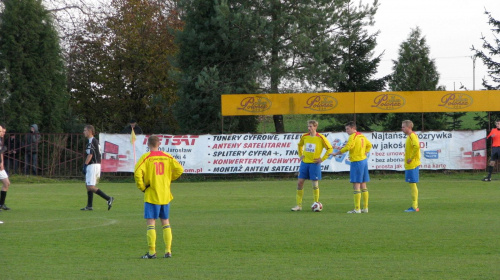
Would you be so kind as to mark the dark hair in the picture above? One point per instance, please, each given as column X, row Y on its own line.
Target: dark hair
column 132, row 121
column 351, row 124
column 90, row 128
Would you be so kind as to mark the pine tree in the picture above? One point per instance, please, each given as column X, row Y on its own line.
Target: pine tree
column 490, row 55
column 217, row 56
column 414, row 71
column 352, row 65
column 32, row 73
column 278, row 44
column 296, row 40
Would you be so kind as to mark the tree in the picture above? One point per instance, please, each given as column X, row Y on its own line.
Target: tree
column 490, row 55
column 414, row 71
column 217, row 56
column 120, row 67
column 32, row 72
column 454, row 121
column 296, row 40
column 279, row 44
column 352, row 65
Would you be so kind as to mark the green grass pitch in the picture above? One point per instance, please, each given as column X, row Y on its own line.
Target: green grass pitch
column 245, row 230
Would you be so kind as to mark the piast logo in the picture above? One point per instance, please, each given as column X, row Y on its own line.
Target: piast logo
column 456, row 100
column 389, row 101
column 255, row 104
column 321, row 103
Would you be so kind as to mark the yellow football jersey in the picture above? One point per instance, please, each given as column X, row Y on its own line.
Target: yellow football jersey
column 153, row 174
column 412, row 151
column 357, row 145
column 312, row 147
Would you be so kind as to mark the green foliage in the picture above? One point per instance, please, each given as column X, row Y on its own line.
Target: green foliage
column 351, row 65
column 296, row 40
column 454, row 121
column 414, row 71
column 120, row 67
column 217, row 56
column 32, row 73
column 273, row 46
column 250, row 232
column 490, row 55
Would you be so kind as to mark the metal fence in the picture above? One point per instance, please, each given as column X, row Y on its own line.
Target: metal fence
column 44, row 154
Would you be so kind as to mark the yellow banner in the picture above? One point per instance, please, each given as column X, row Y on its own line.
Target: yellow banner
column 360, row 102
column 287, row 104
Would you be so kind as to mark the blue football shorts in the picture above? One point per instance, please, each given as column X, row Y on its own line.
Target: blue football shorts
column 154, row 211
column 411, row 175
column 359, row 171
column 311, row 171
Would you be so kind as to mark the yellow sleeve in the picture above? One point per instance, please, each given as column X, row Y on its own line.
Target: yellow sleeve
column 177, row 169
column 139, row 173
column 328, row 147
column 301, row 146
column 416, row 146
column 349, row 145
column 368, row 145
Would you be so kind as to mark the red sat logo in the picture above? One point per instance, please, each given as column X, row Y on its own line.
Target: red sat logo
column 175, row 140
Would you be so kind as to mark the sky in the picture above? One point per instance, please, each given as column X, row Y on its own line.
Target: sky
column 450, row 27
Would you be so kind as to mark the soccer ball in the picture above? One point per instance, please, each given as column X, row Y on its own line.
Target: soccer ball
column 317, row 207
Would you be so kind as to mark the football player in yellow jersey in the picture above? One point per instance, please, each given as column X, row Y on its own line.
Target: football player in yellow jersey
column 358, row 146
column 412, row 162
column 310, row 148
column 153, row 174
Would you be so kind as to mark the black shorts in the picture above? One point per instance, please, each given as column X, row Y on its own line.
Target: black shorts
column 495, row 153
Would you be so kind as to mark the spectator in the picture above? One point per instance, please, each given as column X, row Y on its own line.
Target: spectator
column 132, row 125
column 31, row 152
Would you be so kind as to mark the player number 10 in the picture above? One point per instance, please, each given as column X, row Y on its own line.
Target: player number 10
column 160, row 168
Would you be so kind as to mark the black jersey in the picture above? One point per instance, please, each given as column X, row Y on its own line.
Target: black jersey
column 93, row 149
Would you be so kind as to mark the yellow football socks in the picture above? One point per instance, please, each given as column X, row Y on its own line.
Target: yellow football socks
column 414, row 195
column 364, row 195
column 151, row 234
column 316, row 194
column 357, row 200
column 300, row 195
column 167, row 237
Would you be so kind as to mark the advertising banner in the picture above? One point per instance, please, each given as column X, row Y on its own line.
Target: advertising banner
column 273, row 153
column 359, row 102
column 287, row 104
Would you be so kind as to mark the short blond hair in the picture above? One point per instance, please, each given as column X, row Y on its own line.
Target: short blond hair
column 313, row 122
column 408, row 123
column 153, row 141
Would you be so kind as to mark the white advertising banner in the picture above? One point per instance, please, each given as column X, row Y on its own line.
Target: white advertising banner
column 268, row 153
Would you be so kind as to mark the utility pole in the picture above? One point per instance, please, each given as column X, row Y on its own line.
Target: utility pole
column 474, row 72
